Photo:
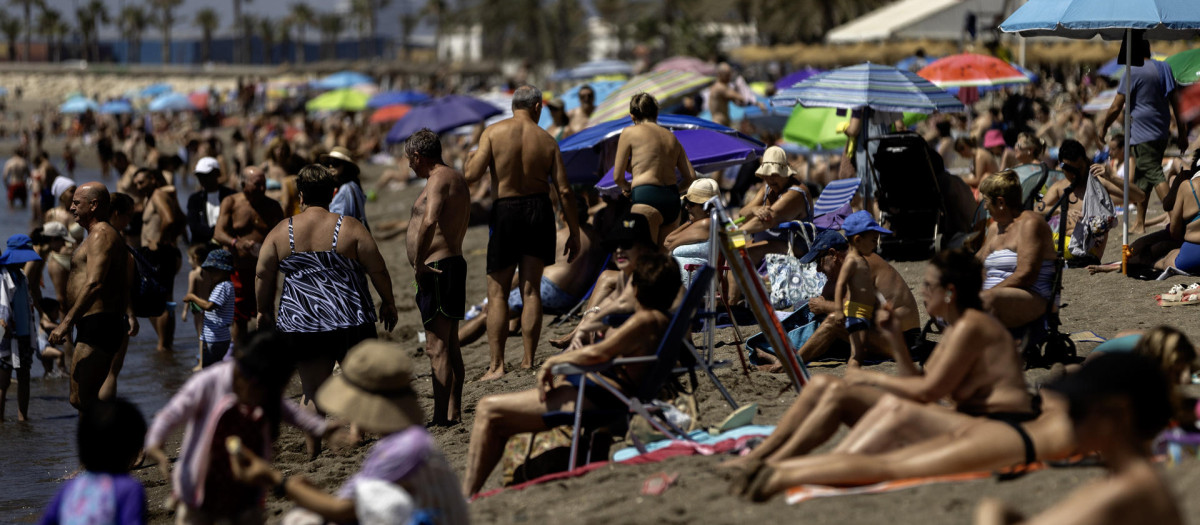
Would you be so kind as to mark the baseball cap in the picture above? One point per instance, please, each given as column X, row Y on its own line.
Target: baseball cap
column 825, row 240
column 56, row 230
column 702, row 190
column 1134, row 376
column 861, row 222
column 207, row 165
column 631, row 228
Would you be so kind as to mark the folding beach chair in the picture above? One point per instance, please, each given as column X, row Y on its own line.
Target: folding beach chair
column 664, row 365
column 833, row 205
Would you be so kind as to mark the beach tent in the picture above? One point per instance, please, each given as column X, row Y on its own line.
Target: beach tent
column 917, row 19
column 1111, row 20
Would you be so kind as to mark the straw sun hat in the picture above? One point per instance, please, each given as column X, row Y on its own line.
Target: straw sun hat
column 342, row 155
column 374, row 389
column 774, row 162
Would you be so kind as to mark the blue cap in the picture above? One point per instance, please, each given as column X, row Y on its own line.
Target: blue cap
column 861, row 222
column 219, row 260
column 19, row 250
column 825, row 240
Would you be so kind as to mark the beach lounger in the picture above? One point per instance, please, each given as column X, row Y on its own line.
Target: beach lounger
column 664, row 365
column 910, row 197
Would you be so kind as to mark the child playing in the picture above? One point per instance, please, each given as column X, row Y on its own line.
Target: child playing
column 218, row 309
column 197, row 286
column 109, row 438
column 855, row 286
column 18, row 321
column 242, row 397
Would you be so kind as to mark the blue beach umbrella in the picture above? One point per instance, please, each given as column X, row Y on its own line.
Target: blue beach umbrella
column 116, row 107
column 587, row 155
column 154, row 90
column 171, row 102
column 391, row 98
column 707, row 150
column 882, row 88
column 796, row 77
column 441, row 115
column 570, row 97
column 78, row 105
column 343, row 79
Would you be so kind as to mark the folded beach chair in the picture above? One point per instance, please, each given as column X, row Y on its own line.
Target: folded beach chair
column 664, row 366
column 910, row 197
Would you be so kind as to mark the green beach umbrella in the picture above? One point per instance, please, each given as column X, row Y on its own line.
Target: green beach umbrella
column 816, row 127
column 1185, row 66
column 339, row 100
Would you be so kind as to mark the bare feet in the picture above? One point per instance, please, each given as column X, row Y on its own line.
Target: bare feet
column 742, row 480
column 492, row 375
column 563, row 342
column 1103, row 268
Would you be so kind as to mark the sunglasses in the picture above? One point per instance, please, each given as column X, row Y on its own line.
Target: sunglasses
column 1070, row 169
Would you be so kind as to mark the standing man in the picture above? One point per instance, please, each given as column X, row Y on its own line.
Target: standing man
column 724, row 91
column 162, row 224
column 97, row 296
column 349, row 199
column 581, row 114
column 435, row 236
column 245, row 220
column 523, row 160
column 1152, row 97
column 16, row 177
column 204, row 206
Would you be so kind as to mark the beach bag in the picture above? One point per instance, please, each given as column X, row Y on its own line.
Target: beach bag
column 792, row 282
column 147, row 296
column 682, row 411
column 800, row 326
column 531, row 455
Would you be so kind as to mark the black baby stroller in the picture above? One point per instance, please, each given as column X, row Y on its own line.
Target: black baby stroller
column 909, row 195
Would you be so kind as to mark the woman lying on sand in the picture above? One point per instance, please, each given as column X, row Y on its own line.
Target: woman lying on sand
column 975, row 365
column 655, row 284
column 968, row 444
column 1118, row 403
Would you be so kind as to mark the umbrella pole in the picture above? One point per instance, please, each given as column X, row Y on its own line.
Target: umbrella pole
column 1128, row 167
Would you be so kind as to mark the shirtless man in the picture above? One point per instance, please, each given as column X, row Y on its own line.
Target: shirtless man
column 580, row 116
column 435, row 253
column 722, row 93
column 653, row 155
column 163, row 221
column 829, row 251
column 16, row 177
column 244, row 221
column 1077, row 168
column 97, row 296
column 523, row 160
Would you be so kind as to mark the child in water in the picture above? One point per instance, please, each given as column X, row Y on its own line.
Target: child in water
column 855, row 289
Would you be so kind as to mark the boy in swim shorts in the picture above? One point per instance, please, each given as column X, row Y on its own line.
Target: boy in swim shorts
column 855, row 289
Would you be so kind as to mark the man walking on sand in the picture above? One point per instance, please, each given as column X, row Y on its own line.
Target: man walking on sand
column 578, row 117
column 523, row 160
column 243, row 222
column 97, row 296
column 435, row 238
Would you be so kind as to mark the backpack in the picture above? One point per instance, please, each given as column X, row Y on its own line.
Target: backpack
column 147, row 296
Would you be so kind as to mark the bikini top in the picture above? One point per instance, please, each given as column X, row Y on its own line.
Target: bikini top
column 322, row 291
column 1193, row 188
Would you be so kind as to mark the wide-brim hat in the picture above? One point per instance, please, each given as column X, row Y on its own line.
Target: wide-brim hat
column 374, row 390
column 774, row 163
column 19, row 250
column 342, row 155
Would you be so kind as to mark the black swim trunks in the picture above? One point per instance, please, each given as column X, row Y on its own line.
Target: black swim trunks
column 333, row 344
column 443, row 293
column 103, row 331
column 165, row 259
column 520, row 226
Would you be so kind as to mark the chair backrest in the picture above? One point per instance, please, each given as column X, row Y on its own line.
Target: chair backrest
column 836, row 194
column 672, row 340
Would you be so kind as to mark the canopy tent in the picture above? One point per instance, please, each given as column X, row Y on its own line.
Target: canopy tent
column 931, row 19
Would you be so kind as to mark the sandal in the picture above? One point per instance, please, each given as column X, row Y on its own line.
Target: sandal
column 1177, row 292
column 1185, row 299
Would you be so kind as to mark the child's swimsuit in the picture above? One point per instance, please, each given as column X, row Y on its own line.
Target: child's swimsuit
column 858, row 316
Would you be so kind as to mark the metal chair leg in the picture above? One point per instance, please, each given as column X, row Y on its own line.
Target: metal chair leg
column 575, row 433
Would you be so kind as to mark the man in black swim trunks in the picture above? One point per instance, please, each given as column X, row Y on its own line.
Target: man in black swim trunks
column 435, row 237
column 97, row 296
column 525, row 166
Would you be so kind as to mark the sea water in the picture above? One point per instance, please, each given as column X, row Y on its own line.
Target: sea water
column 38, row 454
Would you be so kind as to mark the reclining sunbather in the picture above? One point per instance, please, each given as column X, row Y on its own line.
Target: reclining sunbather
column 975, row 365
column 967, row 444
column 655, row 285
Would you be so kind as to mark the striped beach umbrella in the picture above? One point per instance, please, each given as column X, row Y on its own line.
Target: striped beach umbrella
column 668, row 87
column 882, row 88
column 971, row 70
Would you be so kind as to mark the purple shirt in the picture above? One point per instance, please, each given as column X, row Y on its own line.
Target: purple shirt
column 95, row 498
column 410, row 459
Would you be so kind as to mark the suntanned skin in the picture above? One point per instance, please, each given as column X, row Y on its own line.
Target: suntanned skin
column 243, row 223
column 523, row 160
column 1026, row 233
column 854, row 284
column 579, row 116
column 98, row 283
column 163, row 221
column 438, row 226
column 975, row 365
column 722, row 93
column 653, row 155
column 500, row 416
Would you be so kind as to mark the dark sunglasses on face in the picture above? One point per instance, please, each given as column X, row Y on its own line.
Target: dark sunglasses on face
column 625, row 245
column 1068, row 168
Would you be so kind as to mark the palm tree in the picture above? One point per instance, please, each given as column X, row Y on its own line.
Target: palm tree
column 376, row 7
column 47, row 23
column 132, row 22
column 266, row 31
column 361, row 11
column 243, row 33
column 331, row 26
column 28, row 6
column 11, row 27
column 208, row 21
column 164, row 19
column 90, row 17
column 301, row 17
column 436, row 11
column 407, row 22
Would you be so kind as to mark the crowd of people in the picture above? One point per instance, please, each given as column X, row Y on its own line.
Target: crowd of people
column 285, row 277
